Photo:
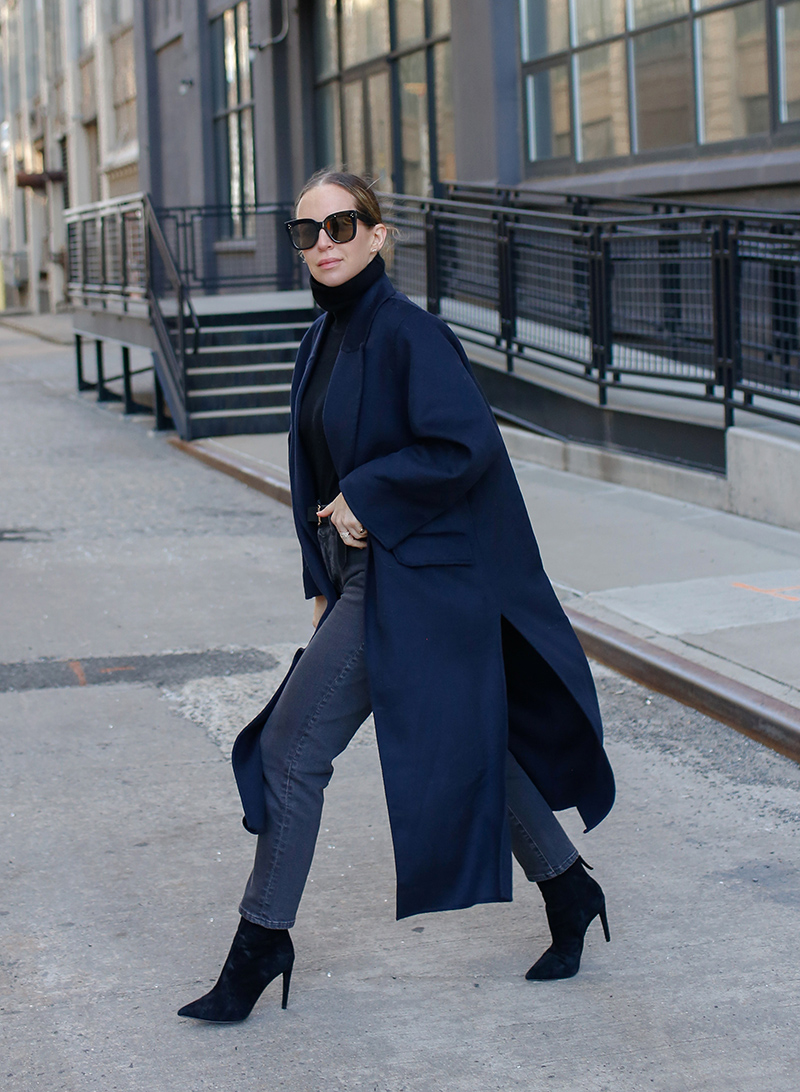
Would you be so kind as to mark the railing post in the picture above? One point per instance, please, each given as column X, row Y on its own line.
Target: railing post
column 123, row 257
column 82, row 384
column 103, row 393
column 600, row 324
column 431, row 263
column 130, row 405
column 505, row 288
column 102, row 240
column 161, row 417
column 722, row 286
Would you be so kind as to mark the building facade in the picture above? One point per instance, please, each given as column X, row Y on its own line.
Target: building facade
column 68, row 131
column 233, row 103
column 671, row 97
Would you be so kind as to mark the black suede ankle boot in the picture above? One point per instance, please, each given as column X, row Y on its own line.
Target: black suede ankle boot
column 257, row 956
column 572, row 901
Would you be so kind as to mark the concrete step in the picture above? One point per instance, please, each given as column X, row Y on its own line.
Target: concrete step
column 264, row 375
column 257, row 419
column 221, row 400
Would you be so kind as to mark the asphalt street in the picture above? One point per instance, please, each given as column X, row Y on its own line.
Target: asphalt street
column 149, row 605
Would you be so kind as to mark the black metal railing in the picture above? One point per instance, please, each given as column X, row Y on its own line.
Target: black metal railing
column 626, row 297
column 701, row 304
column 224, row 249
column 120, row 262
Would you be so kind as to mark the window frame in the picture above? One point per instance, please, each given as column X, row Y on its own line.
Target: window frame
column 241, row 225
column 779, row 134
column 364, row 70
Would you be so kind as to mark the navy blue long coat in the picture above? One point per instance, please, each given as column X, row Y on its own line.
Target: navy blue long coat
column 468, row 650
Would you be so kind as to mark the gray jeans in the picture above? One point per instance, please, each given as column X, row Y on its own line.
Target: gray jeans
column 321, row 708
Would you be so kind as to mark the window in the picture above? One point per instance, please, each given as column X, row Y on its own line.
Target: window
column 234, row 150
column 609, row 78
column 662, row 66
column 734, row 88
column 124, row 86
column 383, row 98
column 603, row 102
column 789, row 61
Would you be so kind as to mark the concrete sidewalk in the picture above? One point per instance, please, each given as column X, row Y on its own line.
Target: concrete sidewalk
column 719, row 591
column 149, row 604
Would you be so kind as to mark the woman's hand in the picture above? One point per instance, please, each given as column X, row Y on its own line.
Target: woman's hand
column 320, row 606
column 350, row 529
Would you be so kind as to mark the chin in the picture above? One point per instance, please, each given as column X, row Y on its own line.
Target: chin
column 333, row 275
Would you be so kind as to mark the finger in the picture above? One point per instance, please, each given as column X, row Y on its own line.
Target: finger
column 326, row 511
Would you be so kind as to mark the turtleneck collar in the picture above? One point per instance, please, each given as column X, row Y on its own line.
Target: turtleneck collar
column 340, row 299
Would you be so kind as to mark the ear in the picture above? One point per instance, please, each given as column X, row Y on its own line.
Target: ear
column 378, row 237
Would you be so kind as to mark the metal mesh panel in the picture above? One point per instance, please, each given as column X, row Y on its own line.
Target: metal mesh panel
column 769, row 326
column 92, row 258
column 467, row 272
column 550, row 277
column 405, row 257
column 135, row 252
column 74, row 253
column 662, row 305
column 112, row 250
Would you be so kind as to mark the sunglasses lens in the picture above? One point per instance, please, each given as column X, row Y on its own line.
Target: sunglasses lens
column 304, row 234
column 341, row 227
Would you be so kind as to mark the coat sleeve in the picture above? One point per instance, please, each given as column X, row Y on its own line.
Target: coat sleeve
column 454, row 439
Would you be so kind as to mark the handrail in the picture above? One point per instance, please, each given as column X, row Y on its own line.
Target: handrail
column 182, row 292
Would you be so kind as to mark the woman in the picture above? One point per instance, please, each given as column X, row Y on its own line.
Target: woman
column 431, row 609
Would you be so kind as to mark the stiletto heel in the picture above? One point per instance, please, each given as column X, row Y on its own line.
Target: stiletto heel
column 572, row 901
column 257, row 956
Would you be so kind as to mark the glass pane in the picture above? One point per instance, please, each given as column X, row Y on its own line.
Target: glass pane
column 325, row 53
column 221, row 161
column 229, row 22
column 603, row 101
column 329, row 128
column 664, row 84
column 414, row 133
column 248, row 158
column 734, row 66
column 410, row 20
column 789, row 61
column 218, row 85
column 544, row 27
column 440, row 16
column 354, row 153
column 365, row 30
column 549, row 127
column 245, row 94
column 234, row 161
column 598, row 19
column 380, row 129
column 653, row 11
column 445, row 127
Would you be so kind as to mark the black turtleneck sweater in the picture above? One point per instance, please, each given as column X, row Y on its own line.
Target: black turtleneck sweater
column 339, row 301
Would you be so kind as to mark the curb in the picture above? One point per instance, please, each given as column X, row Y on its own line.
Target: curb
column 236, row 468
column 768, row 720
column 774, row 723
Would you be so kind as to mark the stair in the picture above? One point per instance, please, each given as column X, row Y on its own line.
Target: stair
column 239, row 379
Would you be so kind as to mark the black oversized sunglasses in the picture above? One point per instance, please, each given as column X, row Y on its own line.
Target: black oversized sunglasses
column 340, row 227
